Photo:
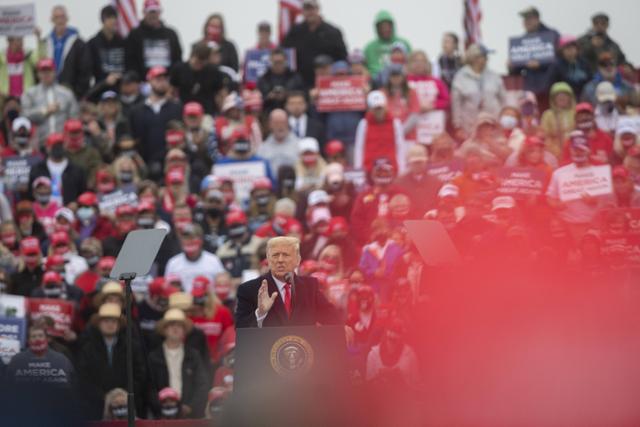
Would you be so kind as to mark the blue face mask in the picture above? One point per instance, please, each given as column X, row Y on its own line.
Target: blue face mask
column 85, row 214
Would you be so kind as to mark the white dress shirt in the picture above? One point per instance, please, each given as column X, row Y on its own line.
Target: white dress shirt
column 174, row 358
column 280, row 286
column 298, row 125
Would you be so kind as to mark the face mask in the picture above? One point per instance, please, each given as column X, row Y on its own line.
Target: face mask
column 608, row 107
column 92, row 260
column 579, row 156
column 9, row 240
column 126, row 177
column 128, row 99
column 508, row 122
column 585, row 126
column 262, row 200
column 309, row 159
column 241, row 147
column 237, row 231
column 12, row 115
column 43, row 199
column 169, row 411
column 160, row 92
column 192, row 249
column 39, row 346
column 21, row 141
column 85, row 214
column 214, row 212
column 31, row 261
column 145, row 222
column 57, row 152
column 128, row 153
column 288, row 183
column 52, row 291
column 75, row 143
column 119, row 412
column 382, row 180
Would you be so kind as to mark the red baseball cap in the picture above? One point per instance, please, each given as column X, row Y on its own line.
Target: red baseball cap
column 157, row 286
column 51, row 277
column 584, row 106
column 262, row 183
column 156, row 72
column 145, row 206
column 235, row 217
column 338, row 223
column 151, row 5
column 192, row 109
column 46, row 64
column 72, row 125
column 30, row 246
column 106, row 263
column 42, row 180
column 88, row 198
column 200, row 286
column 125, row 209
column 59, row 237
column 54, row 260
column 533, row 140
column 174, row 137
column 55, row 138
column 175, row 176
column 334, row 147
column 168, row 393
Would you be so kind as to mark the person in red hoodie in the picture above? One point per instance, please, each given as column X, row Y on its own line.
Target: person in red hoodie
column 209, row 315
column 373, row 201
column 379, row 135
column 600, row 143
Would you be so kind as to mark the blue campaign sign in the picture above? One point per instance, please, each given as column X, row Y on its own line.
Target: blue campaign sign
column 14, row 328
column 537, row 47
column 256, row 63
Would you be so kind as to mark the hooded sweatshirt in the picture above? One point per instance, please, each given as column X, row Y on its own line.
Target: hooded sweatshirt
column 558, row 123
column 377, row 51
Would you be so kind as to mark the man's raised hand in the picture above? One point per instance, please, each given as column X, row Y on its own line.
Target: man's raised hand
column 265, row 302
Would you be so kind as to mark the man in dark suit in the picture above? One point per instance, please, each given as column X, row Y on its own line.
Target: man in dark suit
column 300, row 123
column 281, row 297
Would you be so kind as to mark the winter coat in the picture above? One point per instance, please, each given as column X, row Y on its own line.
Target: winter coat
column 107, row 56
column 75, row 70
column 537, row 80
column 472, row 93
column 378, row 50
column 74, row 180
column 558, row 123
column 31, row 58
column 34, row 105
column 379, row 139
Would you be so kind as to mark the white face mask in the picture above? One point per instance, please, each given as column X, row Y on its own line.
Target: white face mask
column 508, row 122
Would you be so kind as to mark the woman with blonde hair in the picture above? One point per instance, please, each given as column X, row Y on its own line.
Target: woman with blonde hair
column 115, row 405
column 126, row 173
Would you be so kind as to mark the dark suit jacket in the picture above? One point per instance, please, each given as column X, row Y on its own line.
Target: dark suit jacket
column 315, row 129
column 309, row 305
column 74, row 180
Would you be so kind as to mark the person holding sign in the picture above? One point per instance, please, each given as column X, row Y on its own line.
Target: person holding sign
column 600, row 143
column 580, row 189
column 17, row 65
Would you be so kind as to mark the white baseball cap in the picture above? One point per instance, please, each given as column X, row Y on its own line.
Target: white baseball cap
column 376, row 98
column 449, row 190
column 308, row 144
column 21, row 122
column 503, row 202
column 316, row 197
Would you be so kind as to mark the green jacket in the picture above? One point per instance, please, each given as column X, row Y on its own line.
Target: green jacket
column 28, row 73
column 87, row 158
column 377, row 51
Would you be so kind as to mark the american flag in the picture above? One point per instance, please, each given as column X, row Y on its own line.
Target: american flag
column 127, row 15
column 288, row 13
column 472, row 18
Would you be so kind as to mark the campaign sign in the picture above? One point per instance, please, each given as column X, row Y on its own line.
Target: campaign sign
column 14, row 328
column 8, row 348
column 536, row 47
column 16, row 171
column 243, row 175
column 591, row 180
column 620, row 236
column 341, row 93
column 445, row 171
column 109, row 202
column 429, row 126
column 60, row 311
column 256, row 63
column 13, row 306
column 521, row 182
column 358, row 177
column 17, row 20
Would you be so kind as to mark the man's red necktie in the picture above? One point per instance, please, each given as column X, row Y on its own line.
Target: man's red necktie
column 287, row 298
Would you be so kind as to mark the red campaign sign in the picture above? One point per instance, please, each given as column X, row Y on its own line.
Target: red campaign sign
column 521, row 182
column 59, row 310
column 620, row 236
column 341, row 93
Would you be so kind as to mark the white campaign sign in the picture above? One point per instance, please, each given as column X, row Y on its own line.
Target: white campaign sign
column 17, row 20
column 592, row 180
column 243, row 174
column 429, row 126
column 8, row 348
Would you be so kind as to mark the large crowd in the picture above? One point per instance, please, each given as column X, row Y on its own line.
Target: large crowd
column 113, row 134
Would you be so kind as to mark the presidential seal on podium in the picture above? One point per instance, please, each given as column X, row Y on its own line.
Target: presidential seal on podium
column 291, row 356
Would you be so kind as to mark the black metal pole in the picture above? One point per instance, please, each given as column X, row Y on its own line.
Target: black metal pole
column 131, row 408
